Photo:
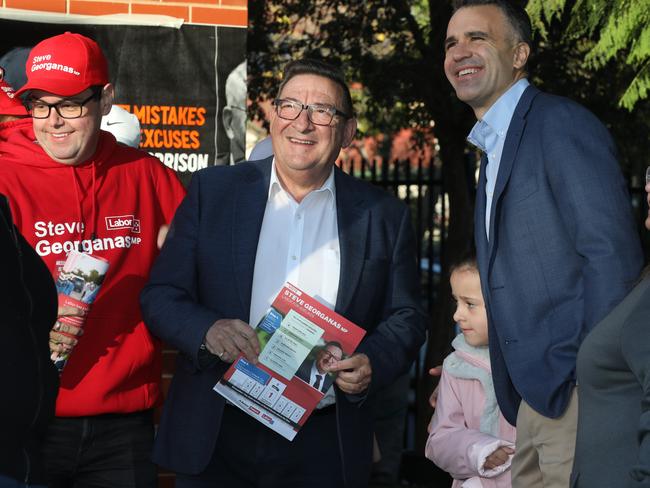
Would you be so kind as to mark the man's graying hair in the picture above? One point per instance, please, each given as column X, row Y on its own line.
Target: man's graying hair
column 310, row 66
column 516, row 15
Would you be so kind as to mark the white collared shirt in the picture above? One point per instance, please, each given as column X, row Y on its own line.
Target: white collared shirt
column 298, row 243
column 314, row 374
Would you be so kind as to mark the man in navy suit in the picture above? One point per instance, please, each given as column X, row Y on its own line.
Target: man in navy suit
column 556, row 242
column 240, row 234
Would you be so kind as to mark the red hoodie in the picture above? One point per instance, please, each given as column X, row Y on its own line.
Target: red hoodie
column 113, row 205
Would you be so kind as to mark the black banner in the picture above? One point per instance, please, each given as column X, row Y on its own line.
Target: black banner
column 172, row 79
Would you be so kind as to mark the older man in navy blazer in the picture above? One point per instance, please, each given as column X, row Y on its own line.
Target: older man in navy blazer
column 239, row 235
column 557, row 246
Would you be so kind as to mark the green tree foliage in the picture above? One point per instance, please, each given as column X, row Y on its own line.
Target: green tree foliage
column 620, row 30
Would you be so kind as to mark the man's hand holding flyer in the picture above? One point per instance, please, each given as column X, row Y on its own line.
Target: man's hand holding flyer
column 77, row 284
column 301, row 339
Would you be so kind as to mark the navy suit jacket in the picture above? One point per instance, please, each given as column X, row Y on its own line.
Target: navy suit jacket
column 563, row 249
column 205, row 272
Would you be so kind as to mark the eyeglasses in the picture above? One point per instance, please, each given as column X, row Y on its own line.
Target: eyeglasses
column 647, row 175
column 328, row 356
column 318, row 113
column 67, row 109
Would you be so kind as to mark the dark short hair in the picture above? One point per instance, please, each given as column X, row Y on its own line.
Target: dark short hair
column 312, row 66
column 514, row 12
column 466, row 261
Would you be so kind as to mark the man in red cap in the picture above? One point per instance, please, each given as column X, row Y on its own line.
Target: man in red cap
column 76, row 188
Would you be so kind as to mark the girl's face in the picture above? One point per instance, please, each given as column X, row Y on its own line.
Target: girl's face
column 470, row 309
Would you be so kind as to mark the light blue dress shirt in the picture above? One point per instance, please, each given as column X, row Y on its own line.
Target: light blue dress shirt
column 489, row 135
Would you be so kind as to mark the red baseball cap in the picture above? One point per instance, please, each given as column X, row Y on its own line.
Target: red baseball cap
column 10, row 104
column 65, row 65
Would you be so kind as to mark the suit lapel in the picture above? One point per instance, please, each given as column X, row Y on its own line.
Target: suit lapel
column 248, row 213
column 508, row 156
column 352, row 220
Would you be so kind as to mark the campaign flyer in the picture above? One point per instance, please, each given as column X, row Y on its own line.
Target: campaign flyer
column 299, row 336
column 77, row 285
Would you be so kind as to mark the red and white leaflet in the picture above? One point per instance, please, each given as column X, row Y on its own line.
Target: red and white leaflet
column 295, row 334
column 78, row 284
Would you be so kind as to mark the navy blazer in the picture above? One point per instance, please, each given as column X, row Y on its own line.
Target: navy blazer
column 205, row 273
column 563, row 248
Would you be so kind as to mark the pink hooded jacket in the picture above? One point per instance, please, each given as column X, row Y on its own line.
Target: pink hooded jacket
column 467, row 425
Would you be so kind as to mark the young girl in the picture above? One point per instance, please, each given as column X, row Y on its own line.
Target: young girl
column 468, row 436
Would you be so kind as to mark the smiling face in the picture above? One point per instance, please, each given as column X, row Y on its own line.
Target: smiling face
column 470, row 314
column 328, row 357
column 71, row 141
column 482, row 57
column 305, row 152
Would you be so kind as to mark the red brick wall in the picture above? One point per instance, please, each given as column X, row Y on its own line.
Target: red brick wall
column 221, row 12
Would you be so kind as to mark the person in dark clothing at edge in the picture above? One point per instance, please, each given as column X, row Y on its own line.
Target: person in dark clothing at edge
column 29, row 381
